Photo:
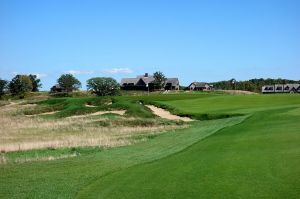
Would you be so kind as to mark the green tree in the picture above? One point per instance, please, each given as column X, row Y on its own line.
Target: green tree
column 232, row 82
column 103, row 86
column 159, row 80
column 20, row 85
column 3, row 84
column 36, row 83
column 68, row 82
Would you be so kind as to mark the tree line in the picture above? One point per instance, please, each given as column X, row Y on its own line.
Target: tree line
column 66, row 83
column 20, row 85
column 253, row 85
column 102, row 86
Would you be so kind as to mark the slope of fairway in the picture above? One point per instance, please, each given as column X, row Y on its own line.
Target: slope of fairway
column 64, row 178
column 231, row 103
column 258, row 158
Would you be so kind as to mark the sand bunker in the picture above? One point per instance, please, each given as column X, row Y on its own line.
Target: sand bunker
column 118, row 112
column 93, row 106
column 87, row 105
column 166, row 114
column 46, row 113
column 239, row 92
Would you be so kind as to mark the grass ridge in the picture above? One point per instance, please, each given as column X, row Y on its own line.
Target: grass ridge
column 164, row 157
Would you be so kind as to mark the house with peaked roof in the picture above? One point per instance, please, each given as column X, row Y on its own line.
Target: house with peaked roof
column 172, row 84
column 281, row 88
column 199, row 86
column 146, row 82
column 57, row 89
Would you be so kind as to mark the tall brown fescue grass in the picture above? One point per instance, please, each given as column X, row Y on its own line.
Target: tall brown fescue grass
column 20, row 132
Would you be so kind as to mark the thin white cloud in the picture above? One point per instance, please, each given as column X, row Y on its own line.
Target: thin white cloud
column 80, row 72
column 40, row 75
column 118, row 71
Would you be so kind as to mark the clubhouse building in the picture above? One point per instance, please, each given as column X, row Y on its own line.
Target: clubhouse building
column 146, row 82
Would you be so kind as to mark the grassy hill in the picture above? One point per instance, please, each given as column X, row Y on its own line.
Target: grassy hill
column 254, row 154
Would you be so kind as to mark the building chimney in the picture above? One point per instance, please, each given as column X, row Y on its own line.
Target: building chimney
column 146, row 74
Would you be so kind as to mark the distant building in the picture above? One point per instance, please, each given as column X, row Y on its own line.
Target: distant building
column 146, row 82
column 281, row 88
column 172, row 84
column 199, row 86
column 57, row 89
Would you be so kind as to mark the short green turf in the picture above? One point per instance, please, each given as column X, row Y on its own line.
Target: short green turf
column 258, row 158
column 252, row 156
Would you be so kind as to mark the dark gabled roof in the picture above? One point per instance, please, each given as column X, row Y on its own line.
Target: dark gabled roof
column 199, row 84
column 173, row 81
column 57, row 86
column 292, row 85
column 129, row 80
column 147, row 80
column 134, row 81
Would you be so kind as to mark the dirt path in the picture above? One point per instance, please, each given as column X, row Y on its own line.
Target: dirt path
column 166, row 114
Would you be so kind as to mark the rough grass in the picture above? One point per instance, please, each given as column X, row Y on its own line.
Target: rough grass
column 77, row 106
column 19, row 132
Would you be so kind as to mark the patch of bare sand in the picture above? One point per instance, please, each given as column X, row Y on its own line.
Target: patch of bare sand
column 48, row 113
column 19, row 132
column 118, row 112
column 28, row 105
column 166, row 114
column 92, row 106
column 239, row 92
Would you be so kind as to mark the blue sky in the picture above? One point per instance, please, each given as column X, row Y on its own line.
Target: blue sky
column 193, row 40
